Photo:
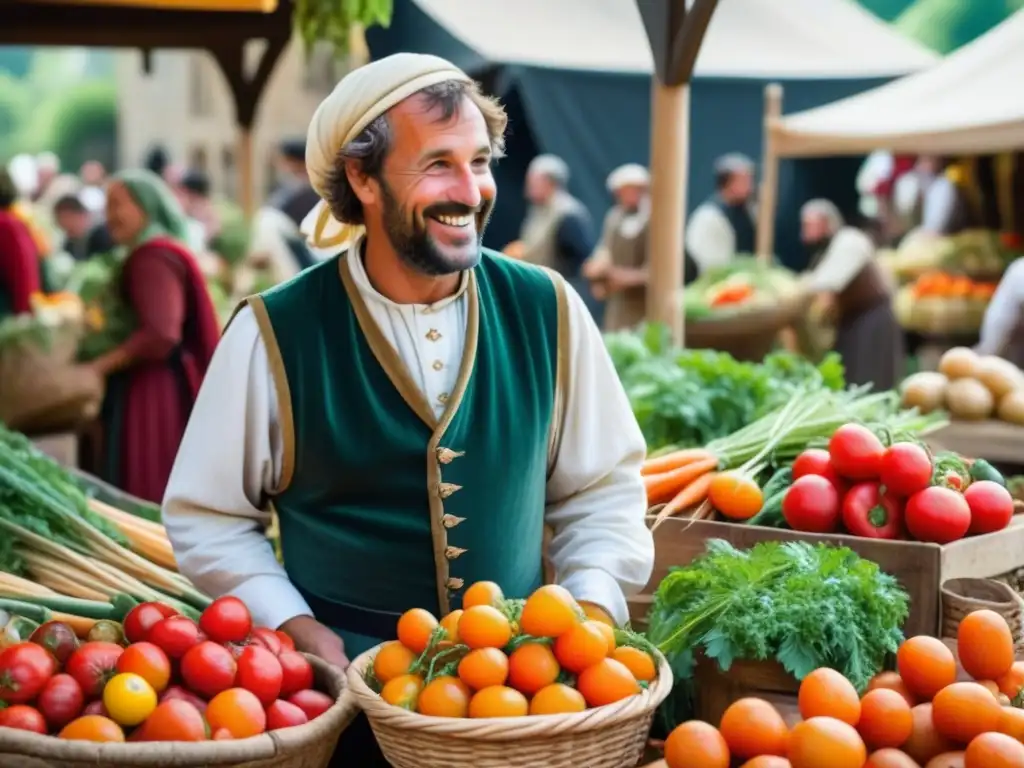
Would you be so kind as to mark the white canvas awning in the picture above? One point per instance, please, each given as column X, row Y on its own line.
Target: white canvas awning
column 813, row 39
column 970, row 103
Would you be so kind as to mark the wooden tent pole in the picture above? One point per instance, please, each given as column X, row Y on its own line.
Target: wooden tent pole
column 244, row 165
column 769, row 197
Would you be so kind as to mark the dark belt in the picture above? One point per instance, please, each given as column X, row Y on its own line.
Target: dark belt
column 352, row 618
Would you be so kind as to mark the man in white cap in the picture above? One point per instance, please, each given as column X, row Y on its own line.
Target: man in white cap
column 618, row 267
column 416, row 409
column 724, row 225
column 853, row 291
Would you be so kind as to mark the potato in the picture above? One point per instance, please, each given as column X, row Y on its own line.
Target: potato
column 925, row 391
column 958, row 363
column 947, row 760
column 1011, row 407
column 969, row 399
column 999, row 375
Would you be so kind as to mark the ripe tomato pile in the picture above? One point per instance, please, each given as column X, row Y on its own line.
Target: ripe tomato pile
column 176, row 680
column 917, row 716
column 509, row 658
column 898, row 492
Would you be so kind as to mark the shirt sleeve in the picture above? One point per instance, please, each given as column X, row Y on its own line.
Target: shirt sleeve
column 576, row 237
column 215, row 508
column 939, row 202
column 1004, row 311
column 846, row 256
column 709, row 238
column 602, row 550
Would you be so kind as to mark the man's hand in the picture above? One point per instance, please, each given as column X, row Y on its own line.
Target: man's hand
column 313, row 637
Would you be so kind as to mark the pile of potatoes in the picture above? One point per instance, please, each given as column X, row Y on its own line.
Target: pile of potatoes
column 970, row 387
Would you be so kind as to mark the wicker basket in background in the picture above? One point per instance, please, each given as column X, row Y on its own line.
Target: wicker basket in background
column 607, row 737
column 963, row 596
column 303, row 746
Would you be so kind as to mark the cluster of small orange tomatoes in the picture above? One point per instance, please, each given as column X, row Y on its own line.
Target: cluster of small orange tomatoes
column 486, row 661
column 918, row 716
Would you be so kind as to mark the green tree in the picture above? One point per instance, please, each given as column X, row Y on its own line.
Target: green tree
column 16, row 60
column 14, row 111
column 78, row 124
column 945, row 25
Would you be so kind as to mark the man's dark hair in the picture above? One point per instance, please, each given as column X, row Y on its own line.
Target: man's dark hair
column 196, row 182
column 293, row 149
column 371, row 146
column 157, row 160
column 8, row 190
column 69, row 204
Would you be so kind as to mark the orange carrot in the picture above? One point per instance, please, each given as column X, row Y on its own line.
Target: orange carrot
column 663, row 487
column 674, row 460
column 689, row 496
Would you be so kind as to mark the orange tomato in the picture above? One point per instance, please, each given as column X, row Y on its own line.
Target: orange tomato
column 696, row 744
column 238, row 711
column 484, row 626
column 92, row 728
column 926, row 666
column 173, row 720
column 148, row 662
column 498, row 701
column 392, row 660
column 444, row 697
column 1011, row 722
column 767, row 761
column 415, row 628
column 1011, row 683
column 484, row 668
column 606, row 682
column 893, row 682
column 753, row 727
column 638, row 662
column 607, row 630
column 735, row 495
column 890, row 758
column 482, row 593
column 824, row 742
column 450, row 624
column 826, row 693
column 598, row 614
column 984, row 645
column 582, row 646
column 885, row 719
column 549, row 612
column 961, row 711
column 531, row 667
column 556, row 699
column 925, row 741
column 994, row 750
column 403, row 691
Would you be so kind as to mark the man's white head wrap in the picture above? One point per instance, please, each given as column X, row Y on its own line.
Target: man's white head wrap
column 361, row 97
column 551, row 166
column 827, row 210
column 628, row 175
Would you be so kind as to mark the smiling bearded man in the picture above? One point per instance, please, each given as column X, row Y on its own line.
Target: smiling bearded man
column 416, row 409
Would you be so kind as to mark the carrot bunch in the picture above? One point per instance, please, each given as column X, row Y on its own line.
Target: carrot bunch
column 680, row 480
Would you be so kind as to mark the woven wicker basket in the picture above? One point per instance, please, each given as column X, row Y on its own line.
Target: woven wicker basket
column 749, row 334
column 304, row 746
column 606, row 737
column 963, row 596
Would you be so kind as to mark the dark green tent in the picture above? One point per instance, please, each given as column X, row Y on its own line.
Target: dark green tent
column 575, row 76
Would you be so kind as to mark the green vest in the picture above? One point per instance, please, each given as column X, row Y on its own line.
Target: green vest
column 382, row 506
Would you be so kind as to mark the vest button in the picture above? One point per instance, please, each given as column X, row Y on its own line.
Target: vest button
column 454, row 583
column 454, row 553
column 450, row 521
column 447, row 455
column 444, row 490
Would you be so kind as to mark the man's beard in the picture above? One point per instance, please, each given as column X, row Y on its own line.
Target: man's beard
column 412, row 242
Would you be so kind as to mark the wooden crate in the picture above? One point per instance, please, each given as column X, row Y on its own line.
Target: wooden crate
column 920, row 568
column 992, row 440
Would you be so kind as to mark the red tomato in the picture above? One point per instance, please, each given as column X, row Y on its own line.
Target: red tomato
column 816, row 461
column 174, row 635
column 937, row 514
column 266, row 638
column 872, row 514
column 143, row 617
column 177, row 693
column 56, row 637
column 173, row 720
column 313, row 703
column 24, row 670
column 60, row 701
column 24, row 718
column 906, row 469
column 811, row 504
column 991, row 506
column 92, row 665
column 226, row 620
column 283, row 714
column 856, row 453
column 208, row 669
column 296, row 673
column 95, row 708
column 287, row 644
column 148, row 662
column 260, row 672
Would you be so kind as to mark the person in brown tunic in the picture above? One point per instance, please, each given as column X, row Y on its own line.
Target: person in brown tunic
column 855, row 293
column 617, row 270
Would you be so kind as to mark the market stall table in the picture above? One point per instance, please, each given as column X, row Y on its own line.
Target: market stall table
column 992, row 440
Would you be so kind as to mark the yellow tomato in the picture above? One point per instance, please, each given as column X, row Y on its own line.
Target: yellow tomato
column 129, row 699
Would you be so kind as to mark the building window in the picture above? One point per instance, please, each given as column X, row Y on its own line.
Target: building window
column 322, row 69
column 230, row 172
column 199, row 160
column 200, row 98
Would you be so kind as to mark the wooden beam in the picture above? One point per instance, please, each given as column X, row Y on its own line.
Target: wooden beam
column 663, row 21
column 768, row 204
column 686, row 45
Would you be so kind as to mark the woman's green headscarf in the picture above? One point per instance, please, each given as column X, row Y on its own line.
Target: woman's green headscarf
column 163, row 212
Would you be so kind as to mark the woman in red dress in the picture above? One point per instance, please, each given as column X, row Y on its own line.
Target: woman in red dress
column 19, row 259
column 153, row 377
